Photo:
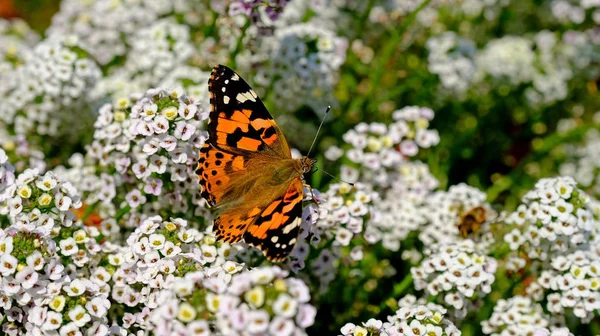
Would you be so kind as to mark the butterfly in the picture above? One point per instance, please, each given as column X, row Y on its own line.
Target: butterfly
column 247, row 172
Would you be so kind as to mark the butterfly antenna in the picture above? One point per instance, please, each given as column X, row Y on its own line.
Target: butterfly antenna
column 318, row 130
column 334, row 177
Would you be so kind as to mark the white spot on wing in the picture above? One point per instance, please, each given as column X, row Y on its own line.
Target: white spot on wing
column 288, row 228
column 293, row 241
column 253, row 93
column 226, row 99
column 274, row 239
column 242, row 97
column 227, row 81
column 223, row 89
column 235, row 77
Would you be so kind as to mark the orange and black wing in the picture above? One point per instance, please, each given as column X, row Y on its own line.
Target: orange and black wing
column 275, row 230
column 217, row 169
column 239, row 121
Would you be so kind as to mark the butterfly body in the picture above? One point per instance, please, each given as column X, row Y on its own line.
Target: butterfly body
column 247, row 172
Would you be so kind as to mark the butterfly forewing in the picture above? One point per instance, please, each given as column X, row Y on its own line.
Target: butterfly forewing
column 246, row 170
column 239, row 119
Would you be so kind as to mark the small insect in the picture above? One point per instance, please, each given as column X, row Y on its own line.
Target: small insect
column 471, row 221
column 247, row 172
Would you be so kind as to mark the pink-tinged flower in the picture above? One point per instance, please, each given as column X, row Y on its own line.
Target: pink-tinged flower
column 258, row 321
column 160, row 125
column 140, row 169
column 187, row 112
column 281, row 326
column 144, row 128
column 168, row 143
column 184, row 130
column 409, row 148
column 306, row 315
column 153, row 186
column 158, row 164
column 134, row 198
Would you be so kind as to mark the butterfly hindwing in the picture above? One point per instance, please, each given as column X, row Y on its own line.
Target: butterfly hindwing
column 216, row 170
column 275, row 231
column 238, row 118
column 231, row 225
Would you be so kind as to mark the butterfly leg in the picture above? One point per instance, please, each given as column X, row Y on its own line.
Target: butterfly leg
column 312, row 194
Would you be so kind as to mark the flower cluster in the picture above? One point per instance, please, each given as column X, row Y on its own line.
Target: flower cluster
column 414, row 317
column 462, row 210
column 451, row 57
column 160, row 255
column 509, row 59
column 7, row 176
column 554, row 332
column 374, row 151
column 54, row 78
column 518, row 315
column 262, row 301
column 36, row 203
column 145, row 150
column 584, row 162
column 571, row 283
column 554, row 219
column 261, row 13
column 303, row 64
column 155, row 52
column 42, row 253
column 347, row 211
column 567, row 11
column 402, row 206
column 16, row 40
column 101, row 25
column 457, row 273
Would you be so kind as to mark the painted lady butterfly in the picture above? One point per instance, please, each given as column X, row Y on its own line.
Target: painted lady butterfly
column 247, row 171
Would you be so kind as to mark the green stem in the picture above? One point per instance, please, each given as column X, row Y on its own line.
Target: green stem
column 122, row 212
column 88, row 211
column 238, row 45
column 365, row 16
column 398, row 290
column 385, row 56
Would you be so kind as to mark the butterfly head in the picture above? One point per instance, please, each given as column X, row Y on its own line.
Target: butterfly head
column 307, row 163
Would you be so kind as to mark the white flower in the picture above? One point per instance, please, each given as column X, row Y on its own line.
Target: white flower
column 515, row 239
column 198, row 328
column 68, row 246
column 135, row 198
column 258, row 321
column 6, row 245
column 75, row 288
column 255, row 296
column 187, row 312
column 285, row 306
column 184, row 130
column 156, row 241
column 70, row 329
column 98, row 306
column 15, row 206
column 53, row 321
column 79, row 316
column 27, row 277
column 62, row 202
column 47, row 183
column 8, row 264
column 281, row 326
